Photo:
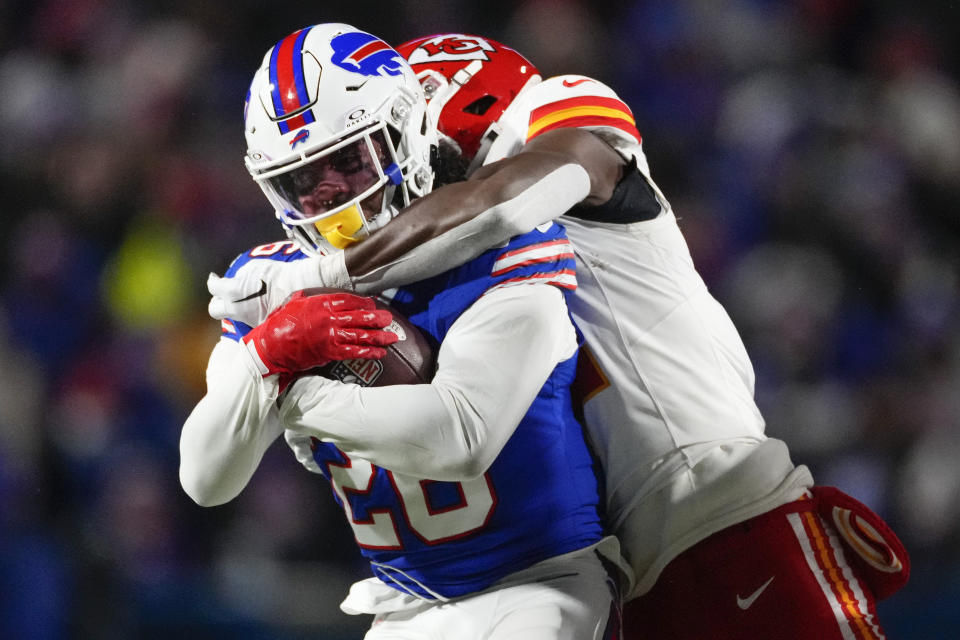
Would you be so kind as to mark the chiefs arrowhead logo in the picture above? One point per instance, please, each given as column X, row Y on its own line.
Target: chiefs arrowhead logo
column 451, row 47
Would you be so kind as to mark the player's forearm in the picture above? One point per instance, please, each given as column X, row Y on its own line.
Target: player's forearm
column 453, row 428
column 405, row 428
column 460, row 221
column 227, row 433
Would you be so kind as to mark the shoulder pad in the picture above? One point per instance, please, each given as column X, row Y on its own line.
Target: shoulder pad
column 578, row 101
column 564, row 101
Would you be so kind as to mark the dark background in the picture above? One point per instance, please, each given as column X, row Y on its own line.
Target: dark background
column 811, row 149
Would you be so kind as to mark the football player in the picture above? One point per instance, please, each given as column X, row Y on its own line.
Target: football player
column 708, row 509
column 473, row 497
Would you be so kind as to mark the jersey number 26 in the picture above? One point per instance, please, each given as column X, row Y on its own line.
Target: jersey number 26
column 411, row 503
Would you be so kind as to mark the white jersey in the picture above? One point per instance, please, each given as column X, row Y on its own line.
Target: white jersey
column 671, row 413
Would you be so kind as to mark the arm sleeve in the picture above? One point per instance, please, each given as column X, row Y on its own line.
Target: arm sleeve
column 491, row 366
column 543, row 200
column 225, row 436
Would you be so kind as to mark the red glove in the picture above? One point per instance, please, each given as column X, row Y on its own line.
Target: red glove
column 310, row 331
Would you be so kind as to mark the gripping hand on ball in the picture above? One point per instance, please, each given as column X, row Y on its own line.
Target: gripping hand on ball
column 310, row 331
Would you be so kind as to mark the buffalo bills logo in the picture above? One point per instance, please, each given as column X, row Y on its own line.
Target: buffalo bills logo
column 300, row 137
column 365, row 54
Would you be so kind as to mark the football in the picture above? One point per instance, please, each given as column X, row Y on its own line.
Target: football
column 410, row 360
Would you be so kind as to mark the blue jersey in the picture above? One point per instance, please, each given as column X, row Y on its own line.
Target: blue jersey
column 538, row 499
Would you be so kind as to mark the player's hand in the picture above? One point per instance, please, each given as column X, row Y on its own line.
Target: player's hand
column 260, row 286
column 310, row 331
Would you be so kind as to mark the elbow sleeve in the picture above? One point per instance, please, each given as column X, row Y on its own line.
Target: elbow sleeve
column 543, row 201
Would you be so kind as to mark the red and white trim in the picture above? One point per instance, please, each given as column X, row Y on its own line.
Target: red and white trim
column 564, row 278
column 532, row 254
column 824, row 555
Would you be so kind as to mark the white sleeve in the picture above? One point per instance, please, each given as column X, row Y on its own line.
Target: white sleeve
column 225, row 436
column 491, row 365
column 546, row 199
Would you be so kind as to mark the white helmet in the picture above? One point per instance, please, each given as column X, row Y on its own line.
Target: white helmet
column 337, row 135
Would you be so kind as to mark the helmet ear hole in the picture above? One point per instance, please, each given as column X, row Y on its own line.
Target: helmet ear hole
column 480, row 106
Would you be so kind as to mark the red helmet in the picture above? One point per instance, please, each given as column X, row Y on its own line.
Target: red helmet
column 469, row 81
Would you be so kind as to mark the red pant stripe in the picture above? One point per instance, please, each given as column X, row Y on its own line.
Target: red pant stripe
column 833, row 574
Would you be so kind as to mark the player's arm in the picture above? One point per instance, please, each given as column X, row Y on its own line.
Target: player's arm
column 227, row 433
column 443, row 229
column 456, row 222
column 491, row 365
column 225, row 436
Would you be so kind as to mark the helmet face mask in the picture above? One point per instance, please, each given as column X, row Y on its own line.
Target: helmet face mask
column 343, row 190
column 337, row 135
column 469, row 83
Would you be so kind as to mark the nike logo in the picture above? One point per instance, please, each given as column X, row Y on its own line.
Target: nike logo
column 745, row 603
column 567, row 83
column 256, row 294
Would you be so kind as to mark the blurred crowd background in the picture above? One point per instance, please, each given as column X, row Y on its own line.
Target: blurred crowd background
column 811, row 149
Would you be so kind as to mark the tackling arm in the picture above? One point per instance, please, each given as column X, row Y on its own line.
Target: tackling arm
column 441, row 230
column 457, row 222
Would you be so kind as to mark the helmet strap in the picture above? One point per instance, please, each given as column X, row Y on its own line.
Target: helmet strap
column 486, row 141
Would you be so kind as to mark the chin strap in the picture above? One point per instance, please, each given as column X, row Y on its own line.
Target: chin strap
column 380, row 220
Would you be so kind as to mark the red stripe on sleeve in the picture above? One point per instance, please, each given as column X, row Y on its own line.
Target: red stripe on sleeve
column 530, row 247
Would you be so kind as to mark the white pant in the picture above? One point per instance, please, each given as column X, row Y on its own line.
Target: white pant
column 570, row 597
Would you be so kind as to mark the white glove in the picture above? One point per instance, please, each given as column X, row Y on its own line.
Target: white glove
column 260, row 286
